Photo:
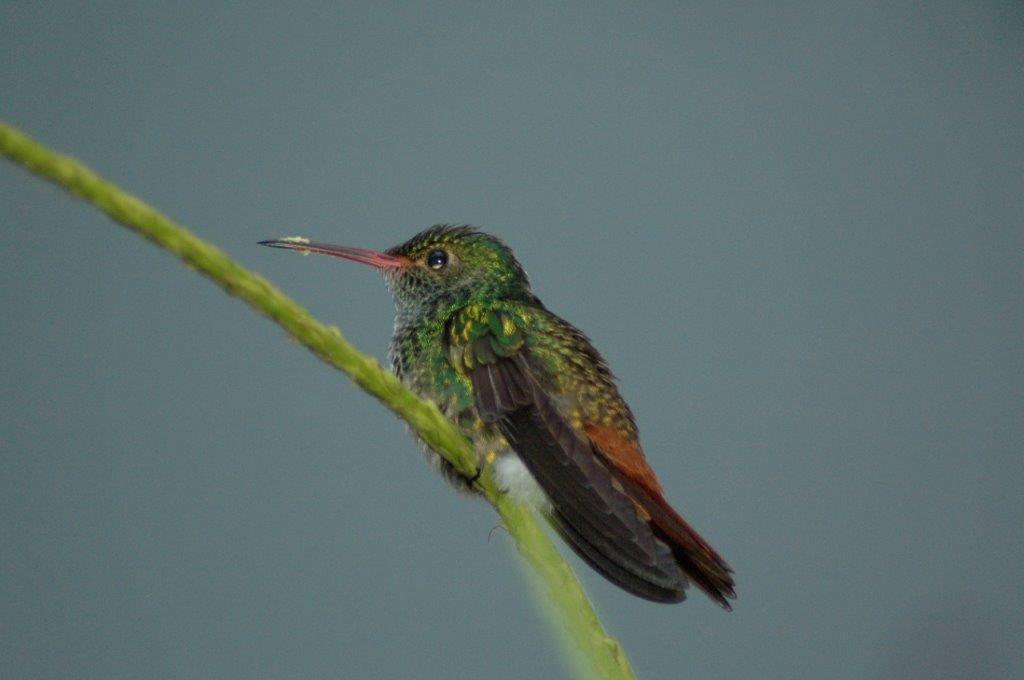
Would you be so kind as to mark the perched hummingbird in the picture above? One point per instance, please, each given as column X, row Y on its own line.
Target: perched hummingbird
column 539, row 404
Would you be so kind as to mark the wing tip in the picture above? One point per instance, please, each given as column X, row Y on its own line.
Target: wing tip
column 721, row 598
column 622, row 575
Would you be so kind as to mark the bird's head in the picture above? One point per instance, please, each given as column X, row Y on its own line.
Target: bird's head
column 441, row 266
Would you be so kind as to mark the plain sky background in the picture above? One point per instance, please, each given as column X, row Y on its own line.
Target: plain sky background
column 795, row 230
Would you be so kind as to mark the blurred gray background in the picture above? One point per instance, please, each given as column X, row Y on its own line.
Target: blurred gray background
column 795, row 231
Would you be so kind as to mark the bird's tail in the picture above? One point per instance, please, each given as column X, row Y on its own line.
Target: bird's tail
column 696, row 560
column 695, row 557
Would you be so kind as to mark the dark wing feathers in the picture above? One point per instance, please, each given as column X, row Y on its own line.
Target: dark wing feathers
column 497, row 390
column 583, row 492
column 590, row 508
column 618, row 524
column 600, row 562
column 696, row 558
column 518, row 386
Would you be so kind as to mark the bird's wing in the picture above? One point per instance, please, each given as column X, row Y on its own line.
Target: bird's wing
column 591, row 508
column 695, row 557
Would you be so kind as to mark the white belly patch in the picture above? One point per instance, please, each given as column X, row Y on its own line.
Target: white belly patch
column 514, row 479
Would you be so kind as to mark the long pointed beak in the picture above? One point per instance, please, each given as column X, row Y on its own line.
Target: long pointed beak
column 364, row 255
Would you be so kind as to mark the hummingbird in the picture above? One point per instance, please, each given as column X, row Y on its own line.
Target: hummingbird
column 540, row 405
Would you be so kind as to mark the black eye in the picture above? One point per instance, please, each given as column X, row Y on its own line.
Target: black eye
column 437, row 259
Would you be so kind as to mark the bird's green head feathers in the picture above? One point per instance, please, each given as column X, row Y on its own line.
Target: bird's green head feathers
column 454, row 265
column 441, row 267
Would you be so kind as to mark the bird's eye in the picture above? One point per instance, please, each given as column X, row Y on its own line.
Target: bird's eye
column 437, row 259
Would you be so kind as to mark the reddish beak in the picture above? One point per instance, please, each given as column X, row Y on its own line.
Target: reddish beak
column 364, row 255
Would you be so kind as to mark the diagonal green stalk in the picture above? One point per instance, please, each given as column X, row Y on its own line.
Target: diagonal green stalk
column 595, row 653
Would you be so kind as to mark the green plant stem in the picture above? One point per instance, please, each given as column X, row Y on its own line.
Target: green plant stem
column 596, row 653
